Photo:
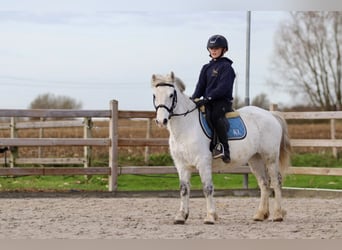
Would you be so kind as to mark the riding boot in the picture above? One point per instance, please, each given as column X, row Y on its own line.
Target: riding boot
column 226, row 156
column 222, row 127
column 213, row 142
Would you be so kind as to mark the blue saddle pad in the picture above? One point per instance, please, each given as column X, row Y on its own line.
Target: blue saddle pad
column 237, row 128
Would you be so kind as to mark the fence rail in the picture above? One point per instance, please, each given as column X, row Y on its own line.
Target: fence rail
column 114, row 141
column 54, row 113
column 31, row 142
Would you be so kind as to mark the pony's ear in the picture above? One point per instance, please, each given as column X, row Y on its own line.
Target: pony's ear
column 172, row 75
column 153, row 77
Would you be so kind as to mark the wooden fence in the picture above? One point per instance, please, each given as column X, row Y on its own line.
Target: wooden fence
column 332, row 143
column 110, row 142
column 113, row 141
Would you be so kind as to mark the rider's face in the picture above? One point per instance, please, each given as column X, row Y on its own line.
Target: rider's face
column 215, row 52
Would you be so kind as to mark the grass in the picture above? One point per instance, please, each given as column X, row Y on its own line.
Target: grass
column 170, row 181
column 53, row 183
column 125, row 183
column 313, row 181
column 316, row 160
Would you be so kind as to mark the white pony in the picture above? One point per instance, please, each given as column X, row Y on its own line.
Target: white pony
column 266, row 148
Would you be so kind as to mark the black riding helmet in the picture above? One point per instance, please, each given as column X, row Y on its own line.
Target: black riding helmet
column 217, row 41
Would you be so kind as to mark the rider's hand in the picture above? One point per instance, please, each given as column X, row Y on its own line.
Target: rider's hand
column 201, row 102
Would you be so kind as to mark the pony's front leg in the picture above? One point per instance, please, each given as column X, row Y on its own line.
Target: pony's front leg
column 183, row 213
column 208, row 190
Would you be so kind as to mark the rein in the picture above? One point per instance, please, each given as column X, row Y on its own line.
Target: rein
column 174, row 102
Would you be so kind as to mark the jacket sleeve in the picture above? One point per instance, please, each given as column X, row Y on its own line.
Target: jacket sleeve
column 201, row 85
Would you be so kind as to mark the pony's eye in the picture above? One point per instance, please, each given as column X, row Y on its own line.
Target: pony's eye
column 171, row 96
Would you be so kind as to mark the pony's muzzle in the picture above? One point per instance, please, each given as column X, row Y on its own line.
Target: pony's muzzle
column 162, row 123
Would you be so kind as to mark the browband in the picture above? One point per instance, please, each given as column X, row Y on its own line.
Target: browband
column 165, row 84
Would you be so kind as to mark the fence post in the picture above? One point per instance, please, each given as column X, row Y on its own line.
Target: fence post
column 148, row 135
column 41, row 135
column 87, row 150
column 14, row 134
column 273, row 107
column 113, row 148
column 333, row 135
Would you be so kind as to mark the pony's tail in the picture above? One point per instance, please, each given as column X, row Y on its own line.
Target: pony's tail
column 285, row 145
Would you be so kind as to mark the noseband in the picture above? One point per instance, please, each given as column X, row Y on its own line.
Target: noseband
column 174, row 101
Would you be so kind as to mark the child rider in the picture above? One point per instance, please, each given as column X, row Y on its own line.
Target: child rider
column 215, row 85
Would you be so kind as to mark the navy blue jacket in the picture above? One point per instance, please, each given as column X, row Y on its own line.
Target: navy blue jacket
column 216, row 80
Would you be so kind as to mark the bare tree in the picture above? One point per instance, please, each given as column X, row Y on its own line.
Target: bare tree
column 308, row 50
column 238, row 102
column 261, row 101
column 51, row 101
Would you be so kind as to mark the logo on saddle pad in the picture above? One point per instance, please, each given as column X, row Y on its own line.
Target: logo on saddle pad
column 237, row 128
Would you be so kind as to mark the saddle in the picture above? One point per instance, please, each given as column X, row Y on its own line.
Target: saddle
column 237, row 129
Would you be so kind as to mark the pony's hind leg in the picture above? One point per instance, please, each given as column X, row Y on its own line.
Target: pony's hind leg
column 276, row 183
column 183, row 213
column 208, row 190
column 259, row 170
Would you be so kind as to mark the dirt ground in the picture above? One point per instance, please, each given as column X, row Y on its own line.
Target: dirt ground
column 152, row 218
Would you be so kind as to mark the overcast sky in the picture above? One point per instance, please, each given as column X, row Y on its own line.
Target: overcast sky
column 98, row 52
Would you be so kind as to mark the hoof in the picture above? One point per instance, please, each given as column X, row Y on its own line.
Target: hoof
column 209, row 222
column 278, row 219
column 180, row 218
column 210, row 219
column 279, row 216
column 261, row 216
column 179, row 222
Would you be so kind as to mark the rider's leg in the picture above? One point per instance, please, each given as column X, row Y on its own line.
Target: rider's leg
column 221, row 126
column 214, row 139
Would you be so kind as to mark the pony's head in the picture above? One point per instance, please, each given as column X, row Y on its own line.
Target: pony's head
column 165, row 89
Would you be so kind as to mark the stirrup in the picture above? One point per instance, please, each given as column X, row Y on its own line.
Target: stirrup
column 218, row 151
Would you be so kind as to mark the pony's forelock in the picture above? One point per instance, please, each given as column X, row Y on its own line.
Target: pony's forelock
column 169, row 78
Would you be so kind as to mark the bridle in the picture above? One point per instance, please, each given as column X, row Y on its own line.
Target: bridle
column 174, row 99
column 174, row 102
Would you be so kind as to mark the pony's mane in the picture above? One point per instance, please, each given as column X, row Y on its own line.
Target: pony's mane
column 169, row 78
